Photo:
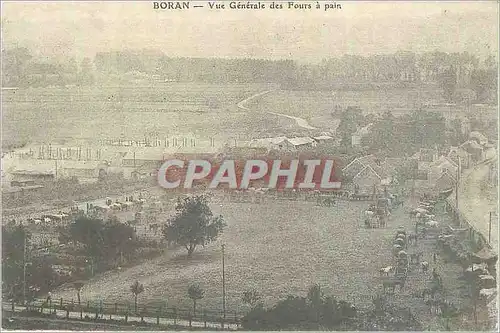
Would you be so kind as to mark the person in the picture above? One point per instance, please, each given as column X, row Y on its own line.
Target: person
column 434, row 257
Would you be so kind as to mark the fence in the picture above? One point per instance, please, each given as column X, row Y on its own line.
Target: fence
column 249, row 197
column 159, row 315
column 461, row 220
column 477, row 238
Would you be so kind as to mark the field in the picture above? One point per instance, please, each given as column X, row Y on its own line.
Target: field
column 317, row 106
column 276, row 248
column 88, row 114
column 92, row 113
column 281, row 249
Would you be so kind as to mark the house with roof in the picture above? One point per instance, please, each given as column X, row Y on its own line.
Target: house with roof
column 474, row 149
column 33, row 176
column 457, row 154
column 303, row 143
column 276, row 143
column 424, row 158
column 445, row 182
column 478, row 137
column 357, row 137
column 323, row 139
column 366, row 173
column 439, row 167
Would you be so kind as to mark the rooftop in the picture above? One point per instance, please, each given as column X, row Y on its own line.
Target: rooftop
column 301, row 141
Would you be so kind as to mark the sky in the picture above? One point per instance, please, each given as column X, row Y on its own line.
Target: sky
column 78, row 29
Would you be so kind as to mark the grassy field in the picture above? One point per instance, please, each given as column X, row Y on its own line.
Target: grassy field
column 317, row 106
column 276, row 248
column 92, row 113
column 204, row 110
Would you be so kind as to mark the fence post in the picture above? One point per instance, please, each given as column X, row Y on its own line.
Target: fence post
column 88, row 306
column 67, row 312
column 175, row 316
column 12, row 304
column 204, row 319
column 81, row 312
column 189, row 315
column 126, row 313
column 61, row 303
column 116, row 308
column 158, row 316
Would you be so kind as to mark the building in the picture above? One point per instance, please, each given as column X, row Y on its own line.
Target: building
column 457, row 154
column 366, row 173
column 474, row 149
column 445, row 182
column 478, row 137
column 439, row 167
column 84, row 171
column 391, row 165
column 324, row 139
column 357, row 137
column 32, row 176
column 276, row 143
column 19, row 192
column 303, row 143
column 424, row 158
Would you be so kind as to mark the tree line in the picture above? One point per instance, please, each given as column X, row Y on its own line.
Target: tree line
column 451, row 71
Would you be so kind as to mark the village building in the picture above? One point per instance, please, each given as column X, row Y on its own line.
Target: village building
column 366, row 174
column 32, row 176
column 478, row 137
column 276, row 143
column 424, row 158
column 356, row 138
column 303, row 143
column 19, row 192
column 439, row 167
column 457, row 154
column 322, row 139
column 474, row 149
column 445, row 182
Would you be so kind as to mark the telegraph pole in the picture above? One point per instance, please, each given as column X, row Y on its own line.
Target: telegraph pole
column 223, row 289
column 24, row 269
column 489, row 229
column 456, row 187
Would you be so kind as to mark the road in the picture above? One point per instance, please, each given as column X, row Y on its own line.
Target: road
column 300, row 121
column 476, row 199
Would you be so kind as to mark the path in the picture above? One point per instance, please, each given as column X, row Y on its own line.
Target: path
column 300, row 121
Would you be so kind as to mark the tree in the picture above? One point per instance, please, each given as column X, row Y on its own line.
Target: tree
column 14, row 62
column 78, row 285
column 314, row 312
column 90, row 233
column 86, row 72
column 136, row 288
column 448, row 81
column 13, row 255
column 195, row 293
column 119, row 240
column 193, row 224
column 251, row 298
column 483, row 81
